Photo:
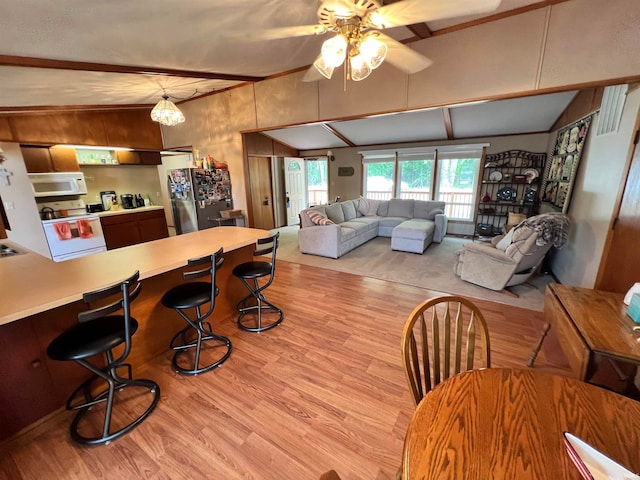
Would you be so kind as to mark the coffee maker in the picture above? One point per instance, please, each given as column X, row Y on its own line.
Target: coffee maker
column 108, row 199
column 127, row 201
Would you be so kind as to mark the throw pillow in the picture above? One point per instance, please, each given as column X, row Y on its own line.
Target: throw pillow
column 368, row 206
column 319, row 219
column 505, row 241
column 335, row 213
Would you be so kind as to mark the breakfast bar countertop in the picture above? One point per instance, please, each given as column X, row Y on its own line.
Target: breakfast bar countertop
column 31, row 283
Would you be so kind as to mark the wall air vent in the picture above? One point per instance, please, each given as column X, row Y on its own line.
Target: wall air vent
column 611, row 109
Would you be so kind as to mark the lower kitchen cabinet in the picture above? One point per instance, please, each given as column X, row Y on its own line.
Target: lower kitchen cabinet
column 127, row 229
column 32, row 385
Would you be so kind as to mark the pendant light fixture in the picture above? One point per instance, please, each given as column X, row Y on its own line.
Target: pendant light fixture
column 166, row 113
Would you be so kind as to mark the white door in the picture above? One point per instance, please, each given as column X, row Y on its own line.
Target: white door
column 296, row 188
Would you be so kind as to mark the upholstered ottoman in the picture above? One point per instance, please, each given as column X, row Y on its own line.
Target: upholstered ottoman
column 412, row 235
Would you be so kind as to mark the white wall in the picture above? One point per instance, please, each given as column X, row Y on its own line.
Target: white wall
column 601, row 175
column 20, row 204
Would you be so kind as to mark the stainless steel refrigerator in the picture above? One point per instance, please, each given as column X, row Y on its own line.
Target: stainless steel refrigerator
column 197, row 196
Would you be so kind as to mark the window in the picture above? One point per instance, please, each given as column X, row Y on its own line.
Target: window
column 457, row 180
column 447, row 173
column 379, row 175
column 317, row 184
column 415, row 177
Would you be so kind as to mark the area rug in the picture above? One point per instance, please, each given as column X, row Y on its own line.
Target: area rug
column 432, row 270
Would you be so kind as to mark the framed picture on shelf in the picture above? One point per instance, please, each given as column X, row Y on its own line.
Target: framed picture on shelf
column 561, row 170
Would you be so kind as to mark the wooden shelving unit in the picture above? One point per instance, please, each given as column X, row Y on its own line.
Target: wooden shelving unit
column 509, row 183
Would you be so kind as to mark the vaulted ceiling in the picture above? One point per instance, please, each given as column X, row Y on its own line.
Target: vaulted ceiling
column 122, row 52
column 500, row 117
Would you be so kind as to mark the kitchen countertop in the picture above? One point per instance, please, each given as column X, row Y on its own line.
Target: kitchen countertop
column 31, row 283
column 121, row 211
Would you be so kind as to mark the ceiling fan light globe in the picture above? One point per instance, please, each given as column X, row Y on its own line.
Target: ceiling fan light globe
column 360, row 68
column 334, row 50
column 373, row 50
column 167, row 113
column 375, row 20
column 323, row 68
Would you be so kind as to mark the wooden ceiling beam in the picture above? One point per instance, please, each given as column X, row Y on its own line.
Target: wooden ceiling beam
column 338, row 134
column 420, row 30
column 448, row 126
column 33, row 62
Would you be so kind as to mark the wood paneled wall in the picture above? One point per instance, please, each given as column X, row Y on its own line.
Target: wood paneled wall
column 122, row 128
column 585, row 102
column 258, row 144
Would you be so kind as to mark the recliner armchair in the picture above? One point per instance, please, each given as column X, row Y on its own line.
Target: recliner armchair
column 513, row 258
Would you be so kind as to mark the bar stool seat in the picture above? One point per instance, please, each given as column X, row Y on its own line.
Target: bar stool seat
column 249, row 274
column 87, row 339
column 194, row 295
column 99, row 333
column 188, row 295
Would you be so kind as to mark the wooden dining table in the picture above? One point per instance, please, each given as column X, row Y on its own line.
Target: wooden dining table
column 508, row 424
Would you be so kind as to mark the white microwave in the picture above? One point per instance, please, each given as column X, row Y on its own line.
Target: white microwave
column 58, row 183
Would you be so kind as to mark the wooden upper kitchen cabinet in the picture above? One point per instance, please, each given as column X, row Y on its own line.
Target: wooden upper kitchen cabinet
column 5, row 130
column 126, row 229
column 132, row 128
column 55, row 159
column 138, row 157
column 77, row 128
column 120, row 128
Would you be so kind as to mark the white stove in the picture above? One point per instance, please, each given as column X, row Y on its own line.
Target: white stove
column 74, row 232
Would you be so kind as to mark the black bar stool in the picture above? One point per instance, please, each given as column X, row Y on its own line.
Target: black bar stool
column 194, row 295
column 98, row 332
column 249, row 273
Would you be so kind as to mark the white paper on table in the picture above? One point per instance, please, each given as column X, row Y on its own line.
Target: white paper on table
column 598, row 464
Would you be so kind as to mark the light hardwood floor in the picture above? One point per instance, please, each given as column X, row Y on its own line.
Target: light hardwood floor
column 324, row 390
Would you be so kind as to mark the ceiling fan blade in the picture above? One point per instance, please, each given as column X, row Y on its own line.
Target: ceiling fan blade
column 279, row 33
column 312, row 75
column 409, row 12
column 403, row 57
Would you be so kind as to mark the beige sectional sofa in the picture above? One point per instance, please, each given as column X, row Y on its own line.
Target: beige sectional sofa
column 333, row 230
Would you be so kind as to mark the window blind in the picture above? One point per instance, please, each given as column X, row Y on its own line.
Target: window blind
column 378, row 156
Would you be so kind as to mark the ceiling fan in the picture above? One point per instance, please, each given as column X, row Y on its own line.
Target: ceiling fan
column 358, row 41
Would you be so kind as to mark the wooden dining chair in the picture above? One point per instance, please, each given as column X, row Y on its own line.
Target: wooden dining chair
column 433, row 340
column 330, row 475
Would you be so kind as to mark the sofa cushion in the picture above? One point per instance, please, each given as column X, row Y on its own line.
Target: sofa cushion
column 400, row 207
column 346, row 233
column 349, row 210
column 318, row 219
column 371, row 222
column 335, row 213
column 368, row 206
column 415, row 229
column 359, row 227
column 391, row 221
column 383, row 208
column 427, row 210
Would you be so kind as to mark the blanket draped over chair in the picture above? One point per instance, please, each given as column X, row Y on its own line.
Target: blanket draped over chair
column 513, row 258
